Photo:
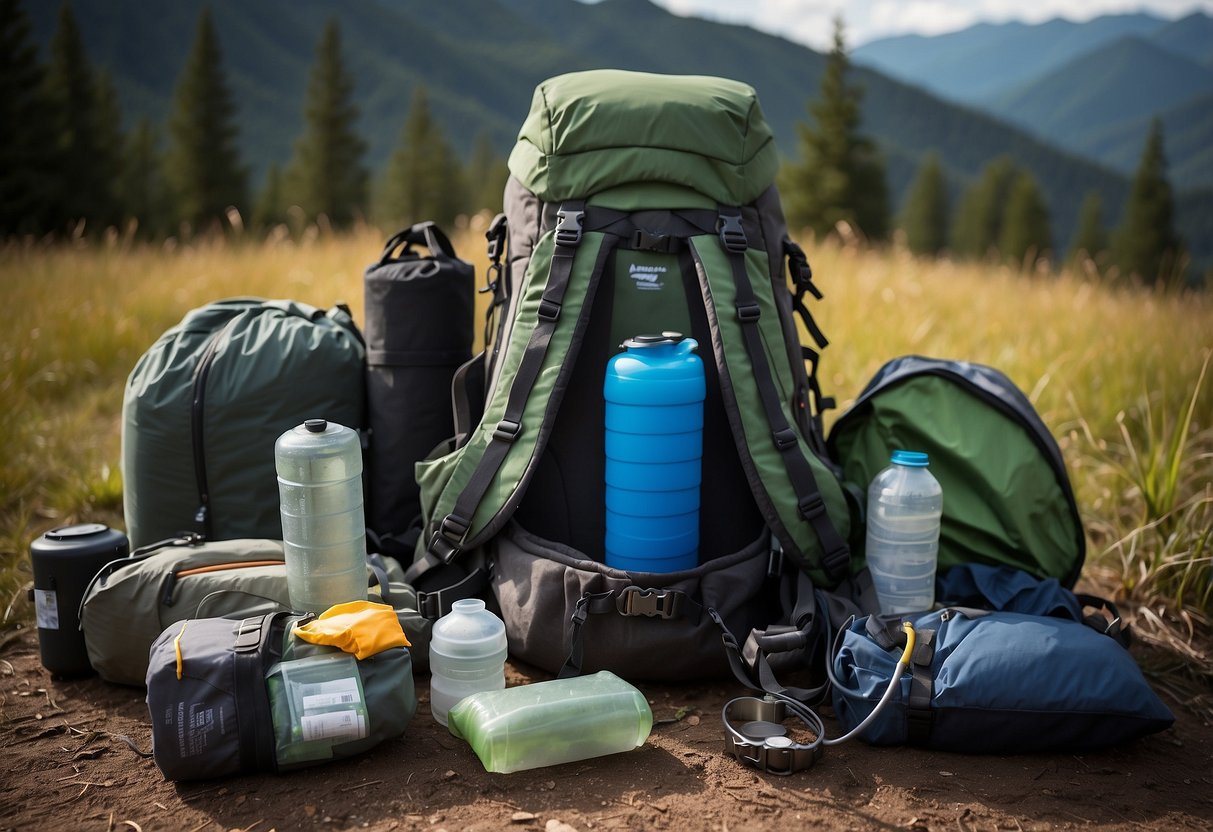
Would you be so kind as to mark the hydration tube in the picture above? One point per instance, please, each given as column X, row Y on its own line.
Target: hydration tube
column 763, row 743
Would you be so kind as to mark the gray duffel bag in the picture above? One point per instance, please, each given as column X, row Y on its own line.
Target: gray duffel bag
column 133, row 599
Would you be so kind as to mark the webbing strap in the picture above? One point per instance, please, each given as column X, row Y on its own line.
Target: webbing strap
column 630, row 601
column 919, row 716
column 448, row 537
column 249, row 662
column 836, row 555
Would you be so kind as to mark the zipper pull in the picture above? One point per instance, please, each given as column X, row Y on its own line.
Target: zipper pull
column 200, row 515
column 170, row 585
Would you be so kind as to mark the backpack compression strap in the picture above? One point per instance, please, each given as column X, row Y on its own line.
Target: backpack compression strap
column 811, row 506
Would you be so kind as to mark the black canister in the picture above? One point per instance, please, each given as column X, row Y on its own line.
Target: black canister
column 65, row 560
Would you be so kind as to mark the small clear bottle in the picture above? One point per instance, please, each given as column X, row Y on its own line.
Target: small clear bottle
column 467, row 655
column 905, row 504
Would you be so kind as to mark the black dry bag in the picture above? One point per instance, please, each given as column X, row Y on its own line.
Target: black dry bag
column 419, row 323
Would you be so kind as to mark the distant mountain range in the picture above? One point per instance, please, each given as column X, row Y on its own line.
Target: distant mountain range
column 481, row 59
column 1092, row 88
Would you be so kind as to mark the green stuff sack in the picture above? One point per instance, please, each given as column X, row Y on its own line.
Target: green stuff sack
column 204, row 405
column 1007, row 497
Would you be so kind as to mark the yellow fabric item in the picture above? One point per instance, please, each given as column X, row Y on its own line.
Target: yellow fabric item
column 363, row 628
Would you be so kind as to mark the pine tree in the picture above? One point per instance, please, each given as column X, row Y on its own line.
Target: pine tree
column 26, row 166
column 978, row 224
column 141, row 187
column 86, row 125
column 202, row 165
column 424, row 180
column 270, row 207
column 840, row 177
column 1091, row 240
column 1024, row 236
column 486, row 176
column 1146, row 243
column 326, row 175
column 111, row 144
column 925, row 215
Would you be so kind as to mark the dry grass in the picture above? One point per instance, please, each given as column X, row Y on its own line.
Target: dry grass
column 1112, row 371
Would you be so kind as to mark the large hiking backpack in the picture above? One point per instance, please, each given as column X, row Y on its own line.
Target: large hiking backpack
column 637, row 203
column 204, row 405
column 1007, row 496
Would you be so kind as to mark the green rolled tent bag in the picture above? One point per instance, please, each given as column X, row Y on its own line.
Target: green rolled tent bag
column 1007, row 496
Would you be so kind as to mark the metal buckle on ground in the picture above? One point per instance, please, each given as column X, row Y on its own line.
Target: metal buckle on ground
column 568, row 228
column 732, row 233
column 762, row 741
column 661, row 603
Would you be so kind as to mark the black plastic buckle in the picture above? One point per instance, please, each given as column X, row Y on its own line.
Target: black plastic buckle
column 248, row 636
column 732, row 234
column 651, row 241
column 429, row 604
column 812, row 506
column 549, row 310
column 568, row 228
column 784, row 439
column 444, row 545
column 748, row 313
column 648, row 602
column 496, row 237
column 507, row 431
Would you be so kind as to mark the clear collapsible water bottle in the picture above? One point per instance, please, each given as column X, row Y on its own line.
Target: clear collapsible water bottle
column 905, row 503
column 467, row 655
column 654, row 447
column 319, row 468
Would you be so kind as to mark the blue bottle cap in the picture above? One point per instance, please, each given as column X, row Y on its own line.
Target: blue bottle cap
column 914, row 459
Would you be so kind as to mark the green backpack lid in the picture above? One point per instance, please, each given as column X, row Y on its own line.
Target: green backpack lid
column 589, row 132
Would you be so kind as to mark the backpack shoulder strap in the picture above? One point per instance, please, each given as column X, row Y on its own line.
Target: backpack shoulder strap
column 799, row 504
column 476, row 502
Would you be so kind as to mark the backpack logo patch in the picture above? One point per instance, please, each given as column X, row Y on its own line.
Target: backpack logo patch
column 647, row 278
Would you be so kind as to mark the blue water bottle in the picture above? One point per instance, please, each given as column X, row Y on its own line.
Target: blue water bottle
column 654, row 445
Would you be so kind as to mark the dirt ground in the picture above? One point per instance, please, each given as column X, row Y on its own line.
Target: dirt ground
column 66, row 767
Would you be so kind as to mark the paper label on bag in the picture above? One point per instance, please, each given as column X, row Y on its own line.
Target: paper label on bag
column 46, row 608
column 335, row 725
column 329, row 694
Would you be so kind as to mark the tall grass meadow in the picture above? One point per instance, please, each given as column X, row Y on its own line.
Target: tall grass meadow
column 1119, row 374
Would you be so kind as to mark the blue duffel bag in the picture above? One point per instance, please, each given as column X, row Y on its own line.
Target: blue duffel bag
column 982, row 681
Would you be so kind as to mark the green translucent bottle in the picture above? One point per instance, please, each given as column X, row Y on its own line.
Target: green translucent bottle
column 554, row 722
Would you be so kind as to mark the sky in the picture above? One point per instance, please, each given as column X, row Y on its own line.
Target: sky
column 810, row 21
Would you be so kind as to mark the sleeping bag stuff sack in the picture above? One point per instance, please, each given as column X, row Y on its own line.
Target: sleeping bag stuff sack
column 204, row 405
column 993, row 683
column 419, row 322
column 242, row 696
